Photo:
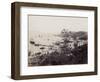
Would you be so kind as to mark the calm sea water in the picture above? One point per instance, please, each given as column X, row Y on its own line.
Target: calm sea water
column 45, row 41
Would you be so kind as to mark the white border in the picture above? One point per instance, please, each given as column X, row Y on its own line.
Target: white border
column 25, row 70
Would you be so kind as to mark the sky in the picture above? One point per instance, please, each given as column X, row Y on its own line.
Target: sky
column 54, row 24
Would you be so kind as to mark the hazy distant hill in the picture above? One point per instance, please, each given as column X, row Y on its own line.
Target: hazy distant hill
column 79, row 34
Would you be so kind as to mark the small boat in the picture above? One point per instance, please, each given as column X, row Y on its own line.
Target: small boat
column 42, row 48
column 32, row 42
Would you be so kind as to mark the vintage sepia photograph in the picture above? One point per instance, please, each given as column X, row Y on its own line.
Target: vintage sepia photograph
column 57, row 40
